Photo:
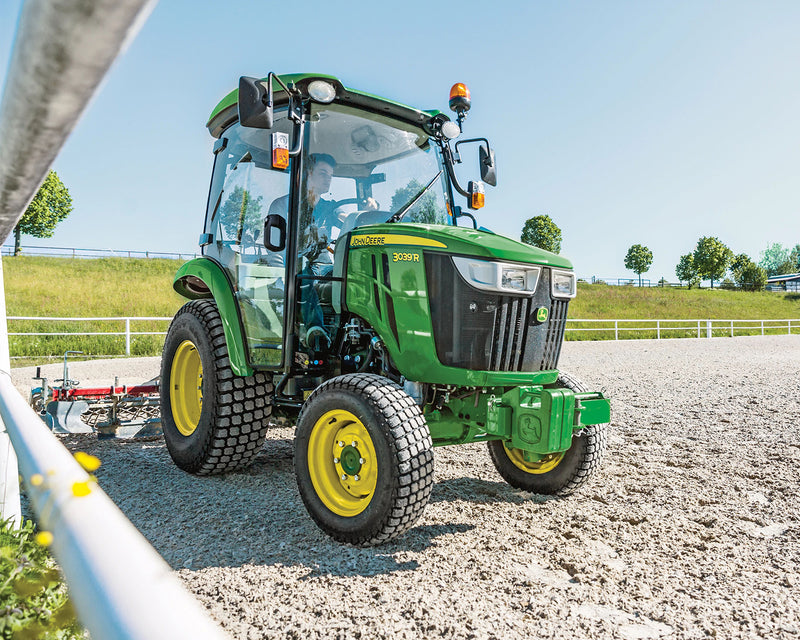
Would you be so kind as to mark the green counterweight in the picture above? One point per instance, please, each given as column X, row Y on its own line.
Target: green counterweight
column 534, row 419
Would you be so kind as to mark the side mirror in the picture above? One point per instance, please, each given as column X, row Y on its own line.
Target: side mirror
column 488, row 166
column 255, row 103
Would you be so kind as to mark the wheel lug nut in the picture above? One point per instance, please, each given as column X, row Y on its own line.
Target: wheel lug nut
column 361, row 461
column 336, row 461
column 344, row 476
column 341, row 444
column 356, row 477
column 354, row 443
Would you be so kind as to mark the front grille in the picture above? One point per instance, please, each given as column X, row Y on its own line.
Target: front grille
column 487, row 331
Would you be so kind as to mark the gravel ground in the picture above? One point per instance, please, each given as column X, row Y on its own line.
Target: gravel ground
column 689, row 530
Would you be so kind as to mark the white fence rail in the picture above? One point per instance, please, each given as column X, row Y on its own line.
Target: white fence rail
column 577, row 329
column 125, row 326
column 74, row 252
column 684, row 328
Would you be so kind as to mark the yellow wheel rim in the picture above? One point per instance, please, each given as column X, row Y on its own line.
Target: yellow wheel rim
column 342, row 463
column 546, row 464
column 186, row 388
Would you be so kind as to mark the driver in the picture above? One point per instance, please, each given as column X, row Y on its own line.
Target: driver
column 317, row 219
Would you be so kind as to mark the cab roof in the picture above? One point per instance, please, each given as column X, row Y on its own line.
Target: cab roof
column 226, row 111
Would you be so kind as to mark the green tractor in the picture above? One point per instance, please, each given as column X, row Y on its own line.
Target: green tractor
column 342, row 286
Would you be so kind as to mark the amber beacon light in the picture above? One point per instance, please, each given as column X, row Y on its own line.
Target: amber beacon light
column 460, row 100
column 459, row 97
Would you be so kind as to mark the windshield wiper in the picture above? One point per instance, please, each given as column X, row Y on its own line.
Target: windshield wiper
column 397, row 217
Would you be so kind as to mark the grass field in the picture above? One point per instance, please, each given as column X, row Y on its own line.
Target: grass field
column 106, row 287
column 599, row 301
column 111, row 287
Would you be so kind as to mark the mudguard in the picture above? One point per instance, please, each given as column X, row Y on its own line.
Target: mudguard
column 204, row 278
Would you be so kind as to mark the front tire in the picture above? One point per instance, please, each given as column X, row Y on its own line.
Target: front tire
column 213, row 421
column 559, row 473
column 363, row 459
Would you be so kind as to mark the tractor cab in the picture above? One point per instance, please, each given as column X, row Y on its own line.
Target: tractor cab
column 283, row 199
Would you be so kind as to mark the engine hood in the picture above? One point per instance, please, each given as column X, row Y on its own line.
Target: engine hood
column 456, row 240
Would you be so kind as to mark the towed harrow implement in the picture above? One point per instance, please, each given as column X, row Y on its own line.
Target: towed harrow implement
column 115, row 411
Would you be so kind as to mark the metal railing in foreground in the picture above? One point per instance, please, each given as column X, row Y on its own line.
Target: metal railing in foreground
column 120, row 586
column 632, row 329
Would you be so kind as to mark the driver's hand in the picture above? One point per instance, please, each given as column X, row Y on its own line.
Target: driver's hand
column 371, row 204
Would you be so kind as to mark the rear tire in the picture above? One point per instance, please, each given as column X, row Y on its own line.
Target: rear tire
column 214, row 421
column 363, row 459
column 557, row 474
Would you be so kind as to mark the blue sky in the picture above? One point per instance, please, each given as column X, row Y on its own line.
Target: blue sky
column 627, row 122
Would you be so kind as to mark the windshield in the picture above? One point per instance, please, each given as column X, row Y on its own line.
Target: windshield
column 383, row 167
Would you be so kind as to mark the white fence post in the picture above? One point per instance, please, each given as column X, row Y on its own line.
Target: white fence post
column 658, row 329
column 708, row 328
column 731, row 328
column 762, row 327
column 698, row 328
column 616, row 329
column 790, row 327
column 127, row 336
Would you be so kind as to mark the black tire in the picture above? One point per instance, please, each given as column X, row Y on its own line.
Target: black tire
column 402, row 450
column 574, row 469
column 233, row 410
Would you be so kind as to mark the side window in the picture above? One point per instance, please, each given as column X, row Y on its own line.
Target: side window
column 245, row 189
column 248, row 194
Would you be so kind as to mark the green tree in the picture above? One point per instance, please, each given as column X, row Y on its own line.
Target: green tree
column 686, row 271
column 747, row 274
column 738, row 263
column 638, row 259
column 711, row 258
column 792, row 262
column 753, row 278
column 774, row 258
column 542, row 232
column 424, row 211
column 51, row 204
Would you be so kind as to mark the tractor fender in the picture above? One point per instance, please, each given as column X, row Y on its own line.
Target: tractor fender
column 205, row 278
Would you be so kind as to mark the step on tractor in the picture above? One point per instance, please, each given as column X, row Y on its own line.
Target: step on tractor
column 343, row 287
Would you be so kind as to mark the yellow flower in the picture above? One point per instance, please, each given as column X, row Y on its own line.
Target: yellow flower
column 44, row 538
column 87, row 461
column 80, row 489
column 37, row 479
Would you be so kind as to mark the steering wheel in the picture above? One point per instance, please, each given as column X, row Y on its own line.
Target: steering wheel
column 341, row 203
column 371, row 216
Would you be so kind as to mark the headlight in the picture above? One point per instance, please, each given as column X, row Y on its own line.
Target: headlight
column 498, row 276
column 513, row 279
column 563, row 284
